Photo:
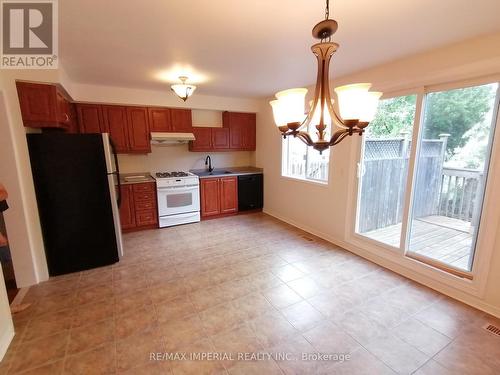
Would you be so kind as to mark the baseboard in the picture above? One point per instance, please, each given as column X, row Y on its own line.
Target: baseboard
column 403, row 271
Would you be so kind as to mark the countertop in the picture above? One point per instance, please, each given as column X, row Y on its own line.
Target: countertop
column 145, row 177
column 226, row 171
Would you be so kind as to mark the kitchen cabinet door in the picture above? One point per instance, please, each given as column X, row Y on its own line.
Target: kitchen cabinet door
column 159, row 120
column 73, row 122
column 220, row 138
column 38, row 104
column 242, row 130
column 138, row 130
column 63, row 109
column 210, row 197
column 249, row 134
column 181, row 120
column 115, row 119
column 203, row 140
column 90, row 118
column 228, row 195
column 127, row 212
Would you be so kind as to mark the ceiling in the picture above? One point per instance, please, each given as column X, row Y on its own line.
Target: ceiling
column 251, row 48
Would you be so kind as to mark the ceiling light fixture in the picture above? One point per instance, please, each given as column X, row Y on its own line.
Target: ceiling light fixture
column 356, row 103
column 183, row 90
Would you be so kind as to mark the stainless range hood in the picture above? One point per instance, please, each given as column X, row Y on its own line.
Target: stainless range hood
column 171, row 139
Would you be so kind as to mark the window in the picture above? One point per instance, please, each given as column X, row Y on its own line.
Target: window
column 303, row 162
column 439, row 225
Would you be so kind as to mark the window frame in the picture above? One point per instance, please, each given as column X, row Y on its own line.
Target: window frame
column 285, row 146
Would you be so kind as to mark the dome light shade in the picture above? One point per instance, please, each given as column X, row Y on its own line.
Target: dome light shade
column 279, row 116
column 352, row 99
column 289, row 106
column 183, row 90
column 370, row 106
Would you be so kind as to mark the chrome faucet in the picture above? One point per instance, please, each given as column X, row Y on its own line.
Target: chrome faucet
column 208, row 161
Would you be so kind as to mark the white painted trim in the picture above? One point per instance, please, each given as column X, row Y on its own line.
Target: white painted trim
column 5, row 341
column 321, row 184
column 403, row 266
column 18, row 299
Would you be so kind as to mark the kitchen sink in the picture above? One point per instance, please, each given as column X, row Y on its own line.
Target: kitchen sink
column 215, row 172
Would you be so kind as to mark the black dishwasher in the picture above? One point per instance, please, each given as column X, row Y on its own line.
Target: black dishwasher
column 250, row 192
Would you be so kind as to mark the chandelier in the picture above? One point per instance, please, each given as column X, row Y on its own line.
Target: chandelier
column 356, row 103
column 183, row 90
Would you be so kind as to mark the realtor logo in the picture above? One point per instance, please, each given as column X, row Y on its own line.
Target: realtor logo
column 29, row 34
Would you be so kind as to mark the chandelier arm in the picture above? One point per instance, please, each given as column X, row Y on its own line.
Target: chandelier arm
column 338, row 136
column 305, row 137
column 328, row 98
column 310, row 115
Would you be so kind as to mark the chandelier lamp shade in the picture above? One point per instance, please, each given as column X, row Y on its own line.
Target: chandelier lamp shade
column 183, row 90
column 357, row 105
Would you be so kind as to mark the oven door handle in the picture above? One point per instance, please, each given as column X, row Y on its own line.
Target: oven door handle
column 177, row 189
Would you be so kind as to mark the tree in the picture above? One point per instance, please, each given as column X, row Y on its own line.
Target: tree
column 452, row 112
column 455, row 112
column 394, row 116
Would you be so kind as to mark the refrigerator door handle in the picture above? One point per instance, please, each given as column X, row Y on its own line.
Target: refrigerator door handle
column 117, row 172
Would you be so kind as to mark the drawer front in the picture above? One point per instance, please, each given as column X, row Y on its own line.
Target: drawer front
column 146, row 217
column 145, row 205
column 146, row 196
column 143, row 188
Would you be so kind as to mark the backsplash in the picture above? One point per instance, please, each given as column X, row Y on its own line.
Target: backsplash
column 174, row 158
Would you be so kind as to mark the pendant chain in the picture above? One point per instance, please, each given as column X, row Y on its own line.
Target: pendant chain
column 327, row 10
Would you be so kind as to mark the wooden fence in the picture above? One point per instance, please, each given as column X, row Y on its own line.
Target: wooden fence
column 440, row 191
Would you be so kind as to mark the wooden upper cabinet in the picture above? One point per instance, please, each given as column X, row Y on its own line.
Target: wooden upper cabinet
column 90, row 118
column 220, row 138
column 203, row 140
column 181, row 120
column 43, row 105
column 159, row 120
column 242, row 130
column 115, row 120
column 228, row 195
column 138, row 130
column 210, row 197
column 250, row 134
column 73, row 121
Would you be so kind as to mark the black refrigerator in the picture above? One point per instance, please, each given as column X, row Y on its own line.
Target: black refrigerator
column 76, row 180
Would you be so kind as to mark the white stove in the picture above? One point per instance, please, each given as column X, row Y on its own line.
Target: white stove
column 178, row 198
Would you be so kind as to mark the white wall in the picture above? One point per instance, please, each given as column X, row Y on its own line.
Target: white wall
column 178, row 158
column 324, row 210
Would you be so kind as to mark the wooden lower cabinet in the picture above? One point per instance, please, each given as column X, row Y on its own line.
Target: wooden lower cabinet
column 138, row 207
column 229, row 195
column 127, row 212
column 219, row 196
column 210, row 197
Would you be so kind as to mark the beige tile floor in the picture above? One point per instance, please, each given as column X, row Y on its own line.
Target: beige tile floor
column 245, row 284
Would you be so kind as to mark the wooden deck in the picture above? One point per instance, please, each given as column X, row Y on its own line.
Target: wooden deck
column 438, row 237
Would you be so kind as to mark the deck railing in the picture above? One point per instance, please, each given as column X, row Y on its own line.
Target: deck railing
column 443, row 191
column 458, row 194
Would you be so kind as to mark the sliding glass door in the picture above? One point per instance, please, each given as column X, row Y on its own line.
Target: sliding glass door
column 433, row 214
column 451, row 175
column 383, row 170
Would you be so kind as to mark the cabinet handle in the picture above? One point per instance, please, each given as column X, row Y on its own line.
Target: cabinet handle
column 66, row 117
